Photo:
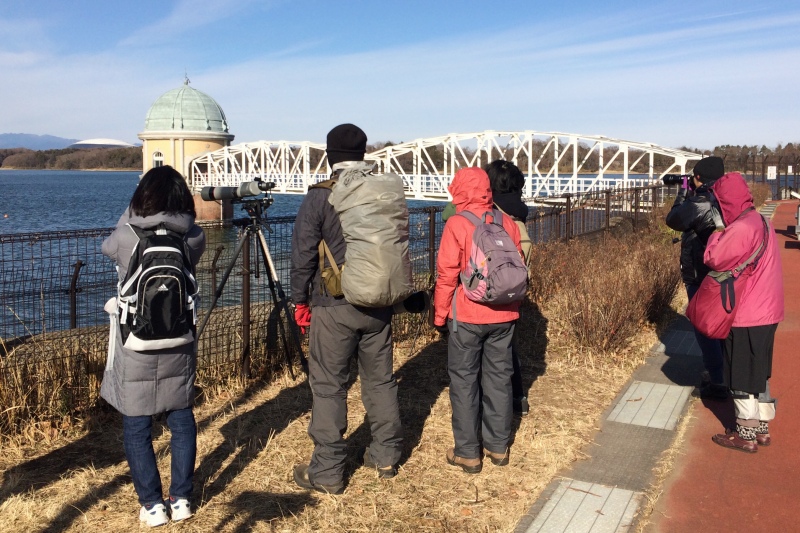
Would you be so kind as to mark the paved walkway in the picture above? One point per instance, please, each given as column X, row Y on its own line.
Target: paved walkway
column 711, row 488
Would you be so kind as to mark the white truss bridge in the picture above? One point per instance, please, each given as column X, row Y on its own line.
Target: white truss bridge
column 553, row 163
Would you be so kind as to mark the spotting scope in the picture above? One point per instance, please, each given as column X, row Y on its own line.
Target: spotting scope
column 249, row 188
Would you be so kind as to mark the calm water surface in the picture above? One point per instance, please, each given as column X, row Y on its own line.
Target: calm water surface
column 53, row 200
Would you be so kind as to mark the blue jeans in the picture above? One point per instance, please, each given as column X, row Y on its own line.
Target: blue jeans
column 138, row 441
column 711, row 348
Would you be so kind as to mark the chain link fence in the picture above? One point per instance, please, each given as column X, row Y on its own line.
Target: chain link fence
column 53, row 330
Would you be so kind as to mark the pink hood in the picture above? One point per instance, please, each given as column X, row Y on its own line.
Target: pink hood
column 471, row 190
column 733, row 195
column 761, row 301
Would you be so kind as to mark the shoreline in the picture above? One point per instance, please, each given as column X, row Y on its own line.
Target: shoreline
column 77, row 169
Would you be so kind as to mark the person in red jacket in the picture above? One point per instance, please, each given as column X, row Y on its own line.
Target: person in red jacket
column 759, row 309
column 479, row 349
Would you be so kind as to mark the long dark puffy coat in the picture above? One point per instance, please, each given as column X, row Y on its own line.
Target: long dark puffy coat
column 692, row 216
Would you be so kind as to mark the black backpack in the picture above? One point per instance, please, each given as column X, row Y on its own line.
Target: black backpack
column 156, row 298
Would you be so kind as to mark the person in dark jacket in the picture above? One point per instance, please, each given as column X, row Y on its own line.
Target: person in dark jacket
column 507, row 182
column 142, row 384
column 692, row 214
column 338, row 333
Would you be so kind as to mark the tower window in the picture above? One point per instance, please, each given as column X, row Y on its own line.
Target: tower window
column 158, row 159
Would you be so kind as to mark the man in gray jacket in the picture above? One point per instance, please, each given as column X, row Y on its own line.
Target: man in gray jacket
column 338, row 332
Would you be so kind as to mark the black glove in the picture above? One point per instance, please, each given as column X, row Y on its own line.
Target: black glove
column 443, row 331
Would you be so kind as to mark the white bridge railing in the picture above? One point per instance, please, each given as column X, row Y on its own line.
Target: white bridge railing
column 427, row 166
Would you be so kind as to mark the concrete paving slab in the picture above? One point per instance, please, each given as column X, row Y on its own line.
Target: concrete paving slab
column 651, row 404
column 580, row 507
column 679, row 342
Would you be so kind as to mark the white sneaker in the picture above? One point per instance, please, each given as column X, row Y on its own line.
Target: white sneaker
column 181, row 510
column 156, row 516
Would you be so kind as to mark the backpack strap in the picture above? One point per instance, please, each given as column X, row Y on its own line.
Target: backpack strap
column 324, row 252
column 327, row 184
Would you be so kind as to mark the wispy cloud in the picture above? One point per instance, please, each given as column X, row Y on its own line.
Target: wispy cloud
column 185, row 17
column 690, row 79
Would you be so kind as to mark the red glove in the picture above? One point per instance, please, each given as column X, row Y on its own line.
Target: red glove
column 302, row 317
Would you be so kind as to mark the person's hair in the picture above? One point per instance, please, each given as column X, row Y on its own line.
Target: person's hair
column 162, row 190
column 505, row 176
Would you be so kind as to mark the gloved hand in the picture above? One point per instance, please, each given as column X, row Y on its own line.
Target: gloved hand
column 685, row 184
column 443, row 331
column 302, row 317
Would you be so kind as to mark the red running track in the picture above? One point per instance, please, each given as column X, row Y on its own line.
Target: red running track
column 716, row 489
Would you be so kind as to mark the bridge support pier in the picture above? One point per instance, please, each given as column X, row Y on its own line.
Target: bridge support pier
column 213, row 210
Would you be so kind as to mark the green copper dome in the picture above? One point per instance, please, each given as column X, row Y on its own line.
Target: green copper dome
column 186, row 109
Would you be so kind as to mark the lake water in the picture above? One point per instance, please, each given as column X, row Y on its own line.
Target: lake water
column 55, row 200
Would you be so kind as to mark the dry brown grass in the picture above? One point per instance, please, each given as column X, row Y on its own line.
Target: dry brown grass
column 761, row 193
column 249, row 438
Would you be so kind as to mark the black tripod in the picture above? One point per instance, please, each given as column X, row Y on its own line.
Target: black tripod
column 252, row 226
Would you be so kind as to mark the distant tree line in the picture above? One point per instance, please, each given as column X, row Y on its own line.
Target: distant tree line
column 73, row 158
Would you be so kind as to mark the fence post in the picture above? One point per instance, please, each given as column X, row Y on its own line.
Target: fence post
column 431, row 245
column 214, row 268
column 608, row 211
column 73, row 295
column 656, row 201
column 635, row 207
column 245, row 357
column 569, row 216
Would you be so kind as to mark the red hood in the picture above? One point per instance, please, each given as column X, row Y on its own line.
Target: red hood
column 471, row 190
column 733, row 196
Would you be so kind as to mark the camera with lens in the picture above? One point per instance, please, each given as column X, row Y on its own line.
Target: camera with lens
column 676, row 179
column 248, row 188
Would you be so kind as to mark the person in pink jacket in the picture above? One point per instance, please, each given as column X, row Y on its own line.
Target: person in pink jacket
column 479, row 349
column 759, row 309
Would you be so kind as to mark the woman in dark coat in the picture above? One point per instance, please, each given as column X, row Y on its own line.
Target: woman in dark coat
column 140, row 384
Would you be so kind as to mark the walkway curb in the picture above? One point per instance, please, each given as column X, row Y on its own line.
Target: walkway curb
column 603, row 492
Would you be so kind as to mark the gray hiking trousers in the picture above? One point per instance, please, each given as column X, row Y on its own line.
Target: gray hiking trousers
column 338, row 334
column 480, row 368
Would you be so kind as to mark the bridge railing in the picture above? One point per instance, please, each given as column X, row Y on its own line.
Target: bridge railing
column 53, row 330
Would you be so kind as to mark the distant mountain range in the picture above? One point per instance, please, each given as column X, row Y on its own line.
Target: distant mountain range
column 34, row 142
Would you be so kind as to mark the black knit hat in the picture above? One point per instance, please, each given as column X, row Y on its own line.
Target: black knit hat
column 346, row 142
column 709, row 169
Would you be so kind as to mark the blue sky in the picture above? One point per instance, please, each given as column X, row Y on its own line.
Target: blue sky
column 696, row 73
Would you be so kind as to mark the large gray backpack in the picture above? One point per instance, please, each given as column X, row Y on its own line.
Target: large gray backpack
column 374, row 216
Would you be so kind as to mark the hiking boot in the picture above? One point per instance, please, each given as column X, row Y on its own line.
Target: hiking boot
column 762, row 434
column 300, row 473
column 521, row 406
column 179, row 509
column 384, row 472
column 713, row 391
column 470, row 466
column 153, row 515
column 732, row 440
column 497, row 459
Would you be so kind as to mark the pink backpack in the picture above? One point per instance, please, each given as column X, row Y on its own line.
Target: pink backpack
column 495, row 273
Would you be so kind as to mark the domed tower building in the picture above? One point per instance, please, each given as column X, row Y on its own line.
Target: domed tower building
column 181, row 125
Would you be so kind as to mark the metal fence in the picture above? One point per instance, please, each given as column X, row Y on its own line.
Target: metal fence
column 53, row 330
